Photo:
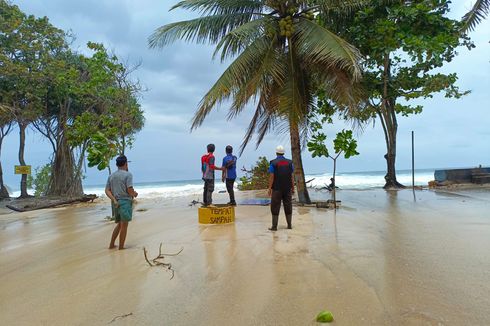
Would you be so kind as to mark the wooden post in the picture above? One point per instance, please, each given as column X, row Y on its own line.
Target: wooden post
column 413, row 163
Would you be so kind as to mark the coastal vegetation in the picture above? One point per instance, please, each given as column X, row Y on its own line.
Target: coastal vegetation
column 257, row 177
column 73, row 100
column 289, row 55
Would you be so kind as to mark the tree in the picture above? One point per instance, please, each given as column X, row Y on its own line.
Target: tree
column 343, row 143
column 280, row 56
column 402, row 43
column 479, row 12
column 26, row 46
column 109, row 127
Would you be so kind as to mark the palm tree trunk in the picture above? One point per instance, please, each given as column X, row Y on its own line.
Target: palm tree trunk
column 299, row 174
column 22, row 143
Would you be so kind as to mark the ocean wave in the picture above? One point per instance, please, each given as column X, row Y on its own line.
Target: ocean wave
column 356, row 181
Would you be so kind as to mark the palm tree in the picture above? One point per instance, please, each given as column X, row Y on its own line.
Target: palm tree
column 281, row 56
column 480, row 10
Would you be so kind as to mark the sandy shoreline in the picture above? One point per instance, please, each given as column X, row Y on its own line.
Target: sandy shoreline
column 385, row 258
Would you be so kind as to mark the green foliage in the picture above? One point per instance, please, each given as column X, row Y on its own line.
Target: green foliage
column 257, row 177
column 27, row 46
column 109, row 128
column 40, row 181
column 343, row 143
column 403, row 43
column 100, row 151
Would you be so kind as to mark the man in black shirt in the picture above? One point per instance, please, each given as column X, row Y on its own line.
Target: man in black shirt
column 281, row 187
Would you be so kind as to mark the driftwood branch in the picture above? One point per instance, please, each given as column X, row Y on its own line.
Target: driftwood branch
column 25, row 205
column 158, row 260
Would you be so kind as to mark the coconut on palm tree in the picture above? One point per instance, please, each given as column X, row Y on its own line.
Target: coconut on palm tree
column 281, row 56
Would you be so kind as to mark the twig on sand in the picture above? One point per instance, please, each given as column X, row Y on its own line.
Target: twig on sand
column 122, row 316
column 146, row 257
column 155, row 261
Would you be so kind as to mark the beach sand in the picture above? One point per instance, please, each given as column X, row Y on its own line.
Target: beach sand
column 384, row 258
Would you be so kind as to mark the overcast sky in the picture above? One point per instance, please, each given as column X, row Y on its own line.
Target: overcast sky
column 449, row 133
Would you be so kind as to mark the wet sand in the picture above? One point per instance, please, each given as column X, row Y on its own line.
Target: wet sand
column 384, row 258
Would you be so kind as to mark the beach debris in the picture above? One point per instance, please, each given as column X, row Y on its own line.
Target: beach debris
column 122, row 316
column 194, row 202
column 158, row 260
column 142, row 209
column 324, row 316
column 34, row 203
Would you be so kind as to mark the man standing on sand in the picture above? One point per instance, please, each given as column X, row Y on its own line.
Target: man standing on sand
column 229, row 173
column 208, row 167
column 281, row 187
column 120, row 190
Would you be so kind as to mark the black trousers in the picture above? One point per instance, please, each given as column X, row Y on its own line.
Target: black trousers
column 208, row 191
column 285, row 197
column 229, row 188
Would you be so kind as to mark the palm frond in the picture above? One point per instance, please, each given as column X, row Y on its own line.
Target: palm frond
column 232, row 79
column 319, row 45
column 238, row 39
column 220, row 7
column 479, row 12
column 202, row 30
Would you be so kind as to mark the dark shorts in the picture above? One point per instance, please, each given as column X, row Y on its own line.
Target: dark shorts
column 123, row 213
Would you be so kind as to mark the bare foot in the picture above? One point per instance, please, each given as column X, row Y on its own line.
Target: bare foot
column 112, row 246
column 121, row 248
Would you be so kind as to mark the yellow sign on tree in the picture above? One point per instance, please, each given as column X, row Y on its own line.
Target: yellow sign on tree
column 22, row 169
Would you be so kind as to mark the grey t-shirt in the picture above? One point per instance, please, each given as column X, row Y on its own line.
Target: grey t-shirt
column 119, row 182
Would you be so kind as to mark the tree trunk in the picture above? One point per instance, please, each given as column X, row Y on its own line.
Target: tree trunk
column 389, row 122
column 4, row 130
column 390, row 156
column 22, row 143
column 65, row 180
column 333, row 182
column 4, row 193
column 299, row 174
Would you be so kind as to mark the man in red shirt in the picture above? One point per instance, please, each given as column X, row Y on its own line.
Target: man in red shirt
column 208, row 168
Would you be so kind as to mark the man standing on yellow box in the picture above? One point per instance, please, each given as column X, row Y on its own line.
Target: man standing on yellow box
column 208, row 167
column 281, row 187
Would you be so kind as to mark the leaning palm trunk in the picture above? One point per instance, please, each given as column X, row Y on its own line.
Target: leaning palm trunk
column 299, row 174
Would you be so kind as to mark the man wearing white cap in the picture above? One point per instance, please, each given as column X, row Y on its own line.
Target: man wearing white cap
column 281, row 187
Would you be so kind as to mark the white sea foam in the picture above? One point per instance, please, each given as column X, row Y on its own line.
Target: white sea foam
column 174, row 189
column 368, row 180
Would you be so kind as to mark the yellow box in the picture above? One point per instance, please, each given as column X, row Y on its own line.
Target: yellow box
column 216, row 215
column 22, row 169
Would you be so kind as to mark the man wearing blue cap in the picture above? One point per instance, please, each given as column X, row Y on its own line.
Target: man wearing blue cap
column 120, row 190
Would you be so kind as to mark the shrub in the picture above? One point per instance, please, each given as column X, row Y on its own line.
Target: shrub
column 257, row 177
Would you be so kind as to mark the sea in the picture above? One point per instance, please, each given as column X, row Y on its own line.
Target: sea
column 348, row 181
